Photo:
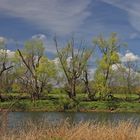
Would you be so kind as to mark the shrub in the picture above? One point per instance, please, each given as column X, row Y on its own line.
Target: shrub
column 21, row 106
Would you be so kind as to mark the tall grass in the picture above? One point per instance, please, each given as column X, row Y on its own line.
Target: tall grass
column 80, row 131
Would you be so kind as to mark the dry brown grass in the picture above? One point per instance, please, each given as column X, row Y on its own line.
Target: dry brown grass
column 81, row 131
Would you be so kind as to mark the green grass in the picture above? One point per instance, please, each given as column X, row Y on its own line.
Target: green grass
column 61, row 102
column 48, row 105
column 110, row 105
column 27, row 105
column 123, row 96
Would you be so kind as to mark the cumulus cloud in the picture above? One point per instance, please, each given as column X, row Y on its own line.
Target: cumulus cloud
column 130, row 56
column 59, row 16
column 127, row 57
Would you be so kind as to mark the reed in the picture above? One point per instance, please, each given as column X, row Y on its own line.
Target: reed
column 81, row 131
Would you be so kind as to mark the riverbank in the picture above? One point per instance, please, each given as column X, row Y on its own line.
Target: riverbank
column 83, row 106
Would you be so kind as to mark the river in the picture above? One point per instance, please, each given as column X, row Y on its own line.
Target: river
column 15, row 119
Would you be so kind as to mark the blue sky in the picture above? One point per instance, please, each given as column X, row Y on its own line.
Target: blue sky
column 23, row 19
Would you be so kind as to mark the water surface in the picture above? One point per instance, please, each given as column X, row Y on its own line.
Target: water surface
column 15, row 119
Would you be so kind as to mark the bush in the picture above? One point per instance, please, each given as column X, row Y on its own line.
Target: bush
column 112, row 105
column 67, row 103
column 21, row 106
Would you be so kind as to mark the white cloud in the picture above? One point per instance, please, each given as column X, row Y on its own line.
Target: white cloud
column 56, row 61
column 129, row 56
column 2, row 40
column 10, row 53
column 39, row 36
column 60, row 16
column 115, row 67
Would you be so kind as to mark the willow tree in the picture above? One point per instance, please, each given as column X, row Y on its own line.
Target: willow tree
column 73, row 62
column 109, row 49
column 34, row 69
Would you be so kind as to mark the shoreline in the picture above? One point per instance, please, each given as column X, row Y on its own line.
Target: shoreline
column 71, row 111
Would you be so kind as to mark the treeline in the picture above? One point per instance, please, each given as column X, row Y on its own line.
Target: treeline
column 30, row 71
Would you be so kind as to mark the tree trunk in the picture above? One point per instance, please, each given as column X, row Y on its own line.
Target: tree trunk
column 73, row 88
column 0, row 97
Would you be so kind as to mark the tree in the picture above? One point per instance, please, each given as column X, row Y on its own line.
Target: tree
column 73, row 62
column 5, row 63
column 109, row 49
column 131, row 75
column 34, row 69
column 125, row 79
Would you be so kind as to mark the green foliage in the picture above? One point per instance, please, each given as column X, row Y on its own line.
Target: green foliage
column 73, row 62
column 36, row 76
column 112, row 105
column 34, row 71
column 46, row 70
column 96, row 105
column 33, row 47
column 21, row 106
column 67, row 103
column 16, row 87
column 109, row 49
column 63, row 103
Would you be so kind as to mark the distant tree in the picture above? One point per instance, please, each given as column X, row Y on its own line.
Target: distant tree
column 126, row 77
column 73, row 63
column 5, row 65
column 109, row 49
column 34, row 69
column 131, row 75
